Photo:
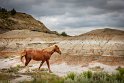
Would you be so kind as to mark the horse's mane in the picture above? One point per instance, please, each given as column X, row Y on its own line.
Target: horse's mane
column 49, row 48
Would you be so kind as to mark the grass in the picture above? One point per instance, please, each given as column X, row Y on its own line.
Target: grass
column 87, row 74
column 10, row 70
column 8, row 74
column 44, row 77
column 6, row 77
column 71, row 77
column 97, row 77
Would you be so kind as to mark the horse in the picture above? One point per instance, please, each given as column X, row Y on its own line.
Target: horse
column 40, row 55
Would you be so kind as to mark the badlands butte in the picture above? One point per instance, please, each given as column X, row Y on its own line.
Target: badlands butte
column 21, row 31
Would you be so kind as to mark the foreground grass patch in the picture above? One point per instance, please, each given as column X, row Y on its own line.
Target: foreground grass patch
column 72, row 77
column 6, row 77
column 97, row 77
column 10, row 70
column 44, row 77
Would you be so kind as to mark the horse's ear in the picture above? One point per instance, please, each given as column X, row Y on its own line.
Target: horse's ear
column 56, row 46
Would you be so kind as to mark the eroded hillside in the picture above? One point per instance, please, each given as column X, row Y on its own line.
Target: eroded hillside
column 110, row 43
column 21, row 21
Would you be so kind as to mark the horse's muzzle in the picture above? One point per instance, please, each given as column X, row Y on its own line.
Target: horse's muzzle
column 60, row 52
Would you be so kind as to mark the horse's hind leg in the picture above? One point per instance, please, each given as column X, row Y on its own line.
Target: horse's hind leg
column 41, row 64
column 47, row 61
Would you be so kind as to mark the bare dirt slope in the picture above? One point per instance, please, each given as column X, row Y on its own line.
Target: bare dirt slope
column 106, row 31
column 75, row 48
column 102, row 42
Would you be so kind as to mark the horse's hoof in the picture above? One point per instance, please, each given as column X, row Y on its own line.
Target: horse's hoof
column 50, row 72
column 38, row 69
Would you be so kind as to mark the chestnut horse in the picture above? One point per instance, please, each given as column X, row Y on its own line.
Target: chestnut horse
column 40, row 55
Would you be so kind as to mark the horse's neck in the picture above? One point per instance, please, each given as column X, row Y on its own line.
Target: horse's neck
column 50, row 50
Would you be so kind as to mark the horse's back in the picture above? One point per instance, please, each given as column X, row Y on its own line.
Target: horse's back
column 38, row 55
column 35, row 54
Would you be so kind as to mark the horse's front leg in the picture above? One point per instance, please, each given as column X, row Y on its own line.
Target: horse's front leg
column 47, row 61
column 41, row 64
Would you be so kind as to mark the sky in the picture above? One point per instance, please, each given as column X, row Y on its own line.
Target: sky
column 72, row 16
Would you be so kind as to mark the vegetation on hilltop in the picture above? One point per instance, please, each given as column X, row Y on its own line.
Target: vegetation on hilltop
column 64, row 34
column 4, row 13
column 12, row 20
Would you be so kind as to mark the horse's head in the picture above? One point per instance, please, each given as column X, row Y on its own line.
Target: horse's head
column 57, row 49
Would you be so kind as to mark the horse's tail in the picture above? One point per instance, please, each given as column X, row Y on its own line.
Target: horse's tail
column 22, row 55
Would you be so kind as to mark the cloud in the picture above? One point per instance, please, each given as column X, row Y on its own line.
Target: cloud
column 73, row 15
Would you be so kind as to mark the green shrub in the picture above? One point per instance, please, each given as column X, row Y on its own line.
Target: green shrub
column 13, row 11
column 87, row 74
column 120, row 74
column 4, row 15
column 64, row 34
column 121, row 71
column 71, row 75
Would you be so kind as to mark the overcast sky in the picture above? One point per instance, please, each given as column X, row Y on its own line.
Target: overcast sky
column 72, row 16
